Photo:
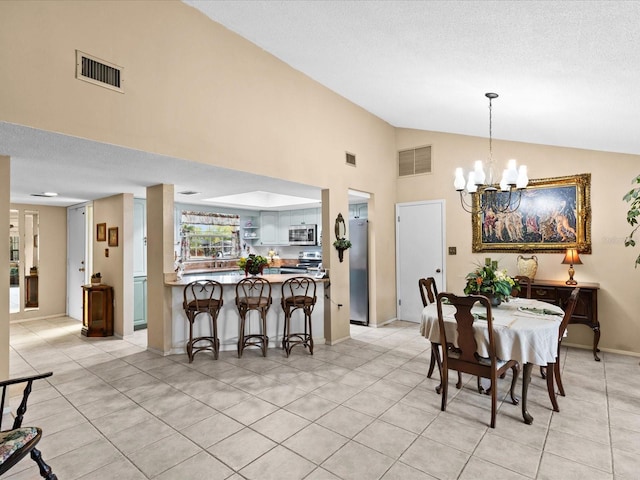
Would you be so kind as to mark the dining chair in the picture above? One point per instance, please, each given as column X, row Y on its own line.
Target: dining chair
column 19, row 441
column 568, row 307
column 523, row 281
column 461, row 354
column 253, row 293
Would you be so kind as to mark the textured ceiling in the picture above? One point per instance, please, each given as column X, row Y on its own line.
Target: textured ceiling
column 567, row 72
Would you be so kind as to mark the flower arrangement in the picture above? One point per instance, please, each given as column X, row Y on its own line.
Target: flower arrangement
column 488, row 280
column 253, row 264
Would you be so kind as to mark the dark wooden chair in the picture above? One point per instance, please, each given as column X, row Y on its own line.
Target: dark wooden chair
column 464, row 356
column 16, row 443
column 298, row 293
column 429, row 293
column 253, row 293
column 569, row 307
column 525, row 287
column 203, row 296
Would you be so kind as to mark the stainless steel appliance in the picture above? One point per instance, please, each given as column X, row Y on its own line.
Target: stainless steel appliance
column 359, row 271
column 306, row 260
column 303, row 235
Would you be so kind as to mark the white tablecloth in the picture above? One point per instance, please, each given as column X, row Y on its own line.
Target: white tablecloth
column 520, row 335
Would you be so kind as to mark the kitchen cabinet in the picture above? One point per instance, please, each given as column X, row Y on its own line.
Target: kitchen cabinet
column 139, row 237
column 139, row 303
column 305, row 216
column 274, row 228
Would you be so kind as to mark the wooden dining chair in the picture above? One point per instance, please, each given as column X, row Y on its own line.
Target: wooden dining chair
column 568, row 307
column 19, row 441
column 461, row 354
column 428, row 293
column 525, row 284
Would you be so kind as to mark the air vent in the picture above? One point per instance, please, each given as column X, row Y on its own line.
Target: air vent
column 189, row 192
column 414, row 161
column 96, row 71
column 351, row 159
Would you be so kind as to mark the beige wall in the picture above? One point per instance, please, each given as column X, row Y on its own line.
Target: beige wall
column 116, row 269
column 52, row 267
column 200, row 93
column 610, row 264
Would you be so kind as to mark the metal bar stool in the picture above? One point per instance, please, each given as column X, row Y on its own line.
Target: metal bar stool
column 298, row 293
column 203, row 296
column 253, row 293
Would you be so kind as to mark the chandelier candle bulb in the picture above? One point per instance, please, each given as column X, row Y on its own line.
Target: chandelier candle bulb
column 471, row 184
column 478, row 173
column 458, row 183
column 512, row 172
column 523, row 179
column 504, row 186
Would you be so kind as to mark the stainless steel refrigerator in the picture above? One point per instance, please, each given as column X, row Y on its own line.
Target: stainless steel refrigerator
column 359, row 271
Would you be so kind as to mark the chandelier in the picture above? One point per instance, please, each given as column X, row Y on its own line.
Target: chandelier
column 480, row 193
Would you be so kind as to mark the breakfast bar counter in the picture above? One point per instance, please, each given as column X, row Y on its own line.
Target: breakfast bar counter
column 229, row 320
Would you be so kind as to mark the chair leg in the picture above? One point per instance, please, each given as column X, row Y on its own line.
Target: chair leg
column 515, row 370
column 556, row 369
column 265, row 339
column 551, row 388
column 444, row 387
column 214, row 333
column 494, row 405
column 310, row 337
column 459, row 384
column 432, row 363
column 243, row 316
column 45, row 470
column 190, row 342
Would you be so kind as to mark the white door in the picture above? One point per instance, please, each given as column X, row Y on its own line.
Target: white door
column 420, row 252
column 76, row 260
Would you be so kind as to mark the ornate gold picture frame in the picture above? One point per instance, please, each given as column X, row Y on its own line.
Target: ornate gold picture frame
column 554, row 214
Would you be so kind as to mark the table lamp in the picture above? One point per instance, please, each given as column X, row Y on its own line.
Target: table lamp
column 570, row 258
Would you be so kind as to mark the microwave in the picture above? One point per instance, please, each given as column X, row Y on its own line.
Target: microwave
column 303, row 235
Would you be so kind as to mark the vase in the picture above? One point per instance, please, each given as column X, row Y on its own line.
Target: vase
column 495, row 300
column 527, row 267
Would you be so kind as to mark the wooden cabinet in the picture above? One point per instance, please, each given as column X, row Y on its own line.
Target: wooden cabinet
column 97, row 308
column 586, row 312
column 31, row 291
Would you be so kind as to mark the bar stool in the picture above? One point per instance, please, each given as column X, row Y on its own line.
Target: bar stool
column 203, row 296
column 253, row 293
column 298, row 293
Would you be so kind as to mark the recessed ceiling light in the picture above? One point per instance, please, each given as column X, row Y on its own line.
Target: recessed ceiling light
column 45, row 194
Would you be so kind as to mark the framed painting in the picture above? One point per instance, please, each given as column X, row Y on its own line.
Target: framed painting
column 554, row 214
column 113, row 236
column 101, row 232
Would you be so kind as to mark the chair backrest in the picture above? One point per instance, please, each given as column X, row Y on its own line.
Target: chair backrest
column 200, row 294
column 568, row 308
column 464, row 357
column 428, row 290
column 525, row 284
column 299, row 289
column 256, row 288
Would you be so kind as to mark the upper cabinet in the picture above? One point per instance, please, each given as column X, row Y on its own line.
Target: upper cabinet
column 274, row 228
column 250, row 229
column 306, row 216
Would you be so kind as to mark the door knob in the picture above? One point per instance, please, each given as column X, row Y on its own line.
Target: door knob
column 438, row 270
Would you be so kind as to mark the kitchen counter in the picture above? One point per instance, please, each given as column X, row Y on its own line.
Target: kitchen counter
column 229, row 320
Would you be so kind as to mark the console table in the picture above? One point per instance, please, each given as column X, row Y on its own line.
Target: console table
column 586, row 312
column 97, row 318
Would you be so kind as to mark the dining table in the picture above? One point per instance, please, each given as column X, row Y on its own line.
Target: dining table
column 525, row 330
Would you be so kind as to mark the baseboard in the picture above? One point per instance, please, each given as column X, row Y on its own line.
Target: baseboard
column 608, row 350
column 46, row 317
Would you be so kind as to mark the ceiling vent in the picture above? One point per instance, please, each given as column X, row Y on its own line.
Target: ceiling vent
column 351, row 159
column 189, row 192
column 414, row 161
column 96, row 71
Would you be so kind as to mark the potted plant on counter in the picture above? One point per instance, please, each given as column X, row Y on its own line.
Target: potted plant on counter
column 96, row 278
column 253, row 264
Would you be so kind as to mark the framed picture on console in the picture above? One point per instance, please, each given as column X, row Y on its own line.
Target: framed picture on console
column 554, row 214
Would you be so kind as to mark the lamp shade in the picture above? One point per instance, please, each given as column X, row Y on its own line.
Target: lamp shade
column 572, row 257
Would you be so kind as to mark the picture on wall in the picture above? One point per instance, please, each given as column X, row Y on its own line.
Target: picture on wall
column 113, row 236
column 554, row 214
column 101, row 232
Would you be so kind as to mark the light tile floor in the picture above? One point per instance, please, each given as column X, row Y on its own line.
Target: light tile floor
column 360, row 410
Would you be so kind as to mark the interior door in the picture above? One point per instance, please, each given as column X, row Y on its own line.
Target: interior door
column 76, row 260
column 420, row 245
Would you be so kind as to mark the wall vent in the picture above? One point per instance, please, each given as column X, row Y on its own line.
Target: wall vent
column 96, row 71
column 414, row 161
column 350, row 159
